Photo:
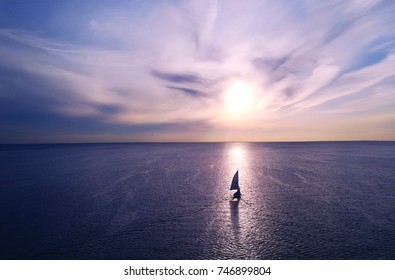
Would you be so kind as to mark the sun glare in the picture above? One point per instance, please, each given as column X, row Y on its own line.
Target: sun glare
column 239, row 97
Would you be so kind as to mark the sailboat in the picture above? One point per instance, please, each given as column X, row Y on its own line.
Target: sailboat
column 235, row 185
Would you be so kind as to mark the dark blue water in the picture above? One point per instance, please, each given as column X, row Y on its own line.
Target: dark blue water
column 327, row 200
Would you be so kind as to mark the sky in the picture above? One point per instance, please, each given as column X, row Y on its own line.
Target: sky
column 199, row 70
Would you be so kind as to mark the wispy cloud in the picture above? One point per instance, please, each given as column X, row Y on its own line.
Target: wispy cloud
column 176, row 78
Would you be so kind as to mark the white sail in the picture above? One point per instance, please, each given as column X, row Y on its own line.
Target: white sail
column 235, row 181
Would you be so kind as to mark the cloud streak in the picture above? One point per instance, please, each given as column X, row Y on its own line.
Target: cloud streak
column 176, row 78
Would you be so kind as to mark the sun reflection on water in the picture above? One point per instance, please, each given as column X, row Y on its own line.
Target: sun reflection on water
column 240, row 223
column 234, row 217
column 237, row 160
column 237, row 155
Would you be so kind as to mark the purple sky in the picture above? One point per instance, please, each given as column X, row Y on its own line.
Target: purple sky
column 109, row 71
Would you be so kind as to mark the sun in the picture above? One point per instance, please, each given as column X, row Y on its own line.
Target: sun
column 239, row 97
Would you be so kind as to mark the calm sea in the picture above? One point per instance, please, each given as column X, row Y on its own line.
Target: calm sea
column 323, row 200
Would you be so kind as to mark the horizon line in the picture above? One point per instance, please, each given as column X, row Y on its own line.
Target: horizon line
column 191, row 142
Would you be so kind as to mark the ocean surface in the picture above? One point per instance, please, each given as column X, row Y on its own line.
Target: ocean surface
column 314, row 200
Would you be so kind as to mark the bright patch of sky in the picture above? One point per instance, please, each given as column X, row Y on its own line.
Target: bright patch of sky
column 203, row 70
